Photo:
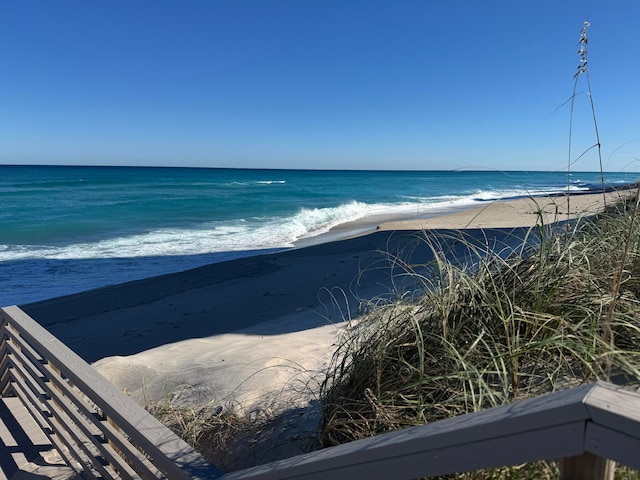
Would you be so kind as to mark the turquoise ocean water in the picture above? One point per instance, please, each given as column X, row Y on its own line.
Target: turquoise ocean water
column 69, row 229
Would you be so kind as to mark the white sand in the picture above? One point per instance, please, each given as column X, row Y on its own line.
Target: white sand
column 240, row 371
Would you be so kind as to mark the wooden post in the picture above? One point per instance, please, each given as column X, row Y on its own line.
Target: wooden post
column 587, row 467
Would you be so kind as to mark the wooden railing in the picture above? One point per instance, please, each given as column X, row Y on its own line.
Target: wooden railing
column 97, row 429
column 581, row 427
column 108, row 435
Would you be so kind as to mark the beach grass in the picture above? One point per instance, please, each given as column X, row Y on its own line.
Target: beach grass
column 220, row 436
column 562, row 310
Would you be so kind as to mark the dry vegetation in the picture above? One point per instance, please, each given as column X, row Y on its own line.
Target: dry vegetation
column 226, row 439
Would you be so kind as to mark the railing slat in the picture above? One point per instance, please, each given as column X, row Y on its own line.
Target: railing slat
column 167, row 451
column 522, row 448
column 31, row 402
column 84, row 418
column 5, row 374
column 557, row 420
column 448, row 446
column 57, row 423
column 69, row 420
column 615, row 407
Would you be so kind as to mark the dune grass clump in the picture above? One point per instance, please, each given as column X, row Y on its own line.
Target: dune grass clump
column 216, row 434
column 561, row 311
column 233, row 438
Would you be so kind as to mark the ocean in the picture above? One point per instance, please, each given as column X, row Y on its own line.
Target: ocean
column 68, row 229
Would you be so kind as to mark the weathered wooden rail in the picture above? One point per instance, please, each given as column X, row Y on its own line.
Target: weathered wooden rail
column 103, row 434
column 582, row 427
column 97, row 430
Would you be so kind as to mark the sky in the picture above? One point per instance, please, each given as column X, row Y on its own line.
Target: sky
column 319, row 84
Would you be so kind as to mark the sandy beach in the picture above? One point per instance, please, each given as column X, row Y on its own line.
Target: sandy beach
column 254, row 335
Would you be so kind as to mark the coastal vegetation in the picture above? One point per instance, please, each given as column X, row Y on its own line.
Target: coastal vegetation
column 559, row 312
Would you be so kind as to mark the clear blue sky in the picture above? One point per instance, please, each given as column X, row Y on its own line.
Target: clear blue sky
column 402, row 84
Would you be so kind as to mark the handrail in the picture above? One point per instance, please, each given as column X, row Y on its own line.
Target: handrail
column 92, row 424
column 583, row 426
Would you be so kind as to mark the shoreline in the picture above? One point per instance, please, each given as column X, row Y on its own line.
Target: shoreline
column 52, row 274
column 504, row 213
column 254, row 335
column 354, row 259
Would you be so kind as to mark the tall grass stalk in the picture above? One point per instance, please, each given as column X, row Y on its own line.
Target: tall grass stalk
column 583, row 69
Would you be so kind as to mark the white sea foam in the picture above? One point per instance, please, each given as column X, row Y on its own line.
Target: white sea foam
column 251, row 233
column 235, row 235
column 255, row 182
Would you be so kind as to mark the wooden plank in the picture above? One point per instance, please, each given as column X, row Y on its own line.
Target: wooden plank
column 5, row 374
column 33, row 380
column 67, row 417
column 104, row 428
column 32, row 400
column 5, row 434
column 11, row 433
column 61, row 426
column 373, row 463
column 32, row 403
column 609, row 443
column 361, row 455
column 33, row 450
column 21, row 368
column 69, row 444
column 26, row 444
column 614, row 431
column 33, row 374
column 547, row 411
column 166, row 450
column 12, row 333
column 615, row 407
column 90, row 447
column 27, row 422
